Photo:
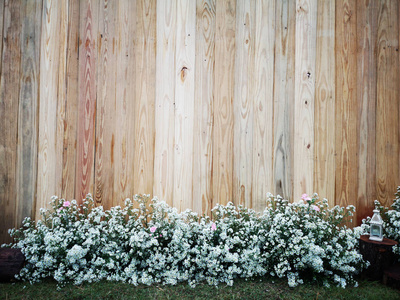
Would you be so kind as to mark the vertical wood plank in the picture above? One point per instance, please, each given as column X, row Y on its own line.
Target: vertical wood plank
column 165, row 97
column 31, row 13
column 124, row 139
column 306, row 33
column 105, row 104
column 387, row 109
column 223, row 102
column 263, row 94
column 367, row 19
column 243, row 103
column 284, row 98
column 87, row 98
column 184, row 104
column 145, row 96
column 49, row 176
column 324, row 174
column 9, row 98
column 204, row 95
column 346, row 103
column 71, row 102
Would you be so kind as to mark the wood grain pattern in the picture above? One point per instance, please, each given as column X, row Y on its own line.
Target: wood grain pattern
column 71, row 102
column 324, row 161
column 124, row 139
column 346, row 103
column 387, row 108
column 49, row 178
column 263, row 93
column 9, row 98
column 204, row 95
column 306, row 30
column 165, row 97
column 87, row 99
column 243, row 103
column 223, row 102
column 285, row 26
column 105, row 104
column 184, row 104
column 367, row 19
column 145, row 52
column 31, row 13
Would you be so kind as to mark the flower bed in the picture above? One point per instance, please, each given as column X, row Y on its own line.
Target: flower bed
column 156, row 244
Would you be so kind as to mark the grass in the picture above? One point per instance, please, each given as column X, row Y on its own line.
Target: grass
column 257, row 289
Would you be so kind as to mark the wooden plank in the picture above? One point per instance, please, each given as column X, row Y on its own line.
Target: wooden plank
column 184, row 104
column 71, row 102
column 49, row 177
column 263, row 93
column 165, row 101
column 9, row 98
column 204, row 95
column 243, row 103
column 87, row 99
column 223, row 102
column 387, row 108
column 346, row 110
column 367, row 19
column 306, row 33
column 145, row 52
column 284, row 98
column 124, row 139
column 105, row 104
column 324, row 168
column 2, row 4
column 31, row 14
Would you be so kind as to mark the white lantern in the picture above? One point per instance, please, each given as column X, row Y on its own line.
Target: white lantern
column 376, row 227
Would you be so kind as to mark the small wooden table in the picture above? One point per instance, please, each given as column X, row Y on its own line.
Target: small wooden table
column 379, row 254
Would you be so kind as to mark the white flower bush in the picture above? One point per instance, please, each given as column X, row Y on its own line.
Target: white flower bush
column 155, row 244
column 391, row 221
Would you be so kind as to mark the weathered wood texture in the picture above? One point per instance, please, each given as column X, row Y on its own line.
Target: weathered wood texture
column 198, row 102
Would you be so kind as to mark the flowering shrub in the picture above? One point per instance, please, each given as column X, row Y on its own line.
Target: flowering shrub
column 156, row 244
column 391, row 224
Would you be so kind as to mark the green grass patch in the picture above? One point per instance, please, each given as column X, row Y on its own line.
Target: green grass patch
column 252, row 289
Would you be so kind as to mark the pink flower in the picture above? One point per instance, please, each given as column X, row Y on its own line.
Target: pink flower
column 153, row 229
column 305, row 197
column 316, row 208
column 66, row 203
column 213, row 227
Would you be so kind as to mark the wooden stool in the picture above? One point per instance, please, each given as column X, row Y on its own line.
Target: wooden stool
column 11, row 262
column 392, row 275
column 379, row 254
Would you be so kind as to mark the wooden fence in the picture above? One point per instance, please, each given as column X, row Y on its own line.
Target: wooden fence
column 198, row 102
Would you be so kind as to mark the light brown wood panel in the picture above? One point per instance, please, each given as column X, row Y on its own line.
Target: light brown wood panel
column 285, row 27
column 2, row 3
column 31, row 13
column 306, row 32
column 204, row 95
column 262, row 91
column 49, row 177
column 324, row 161
column 387, row 107
column 106, row 66
column 243, row 102
column 145, row 53
column 9, row 98
column 367, row 19
column 124, row 138
column 184, row 104
column 165, row 101
column 88, row 32
column 346, row 103
column 223, row 101
column 71, row 102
